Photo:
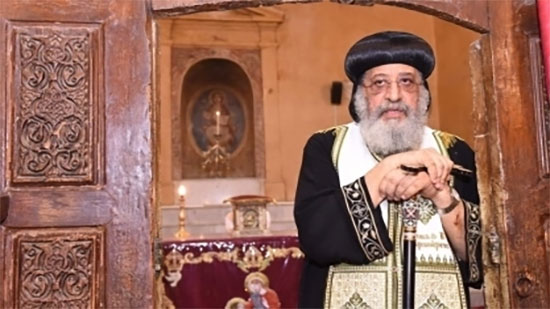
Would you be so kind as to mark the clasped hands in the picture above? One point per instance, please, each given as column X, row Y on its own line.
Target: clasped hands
column 388, row 181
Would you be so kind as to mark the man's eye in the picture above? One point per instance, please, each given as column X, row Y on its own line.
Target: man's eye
column 406, row 81
column 380, row 83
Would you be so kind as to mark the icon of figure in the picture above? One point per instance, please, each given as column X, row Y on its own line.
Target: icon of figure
column 261, row 296
column 219, row 125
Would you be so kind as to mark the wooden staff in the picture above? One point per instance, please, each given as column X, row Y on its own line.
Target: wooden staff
column 410, row 212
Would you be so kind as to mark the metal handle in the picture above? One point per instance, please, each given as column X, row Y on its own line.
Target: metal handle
column 4, row 207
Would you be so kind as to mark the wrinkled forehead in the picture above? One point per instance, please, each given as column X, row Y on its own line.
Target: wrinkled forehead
column 392, row 70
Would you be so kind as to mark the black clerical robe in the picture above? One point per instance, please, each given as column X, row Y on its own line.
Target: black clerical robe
column 329, row 237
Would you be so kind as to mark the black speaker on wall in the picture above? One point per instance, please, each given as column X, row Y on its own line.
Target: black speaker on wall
column 336, row 93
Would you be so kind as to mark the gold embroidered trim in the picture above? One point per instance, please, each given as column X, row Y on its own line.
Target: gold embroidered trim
column 368, row 281
column 363, row 220
column 444, row 142
column 165, row 302
column 447, row 139
column 473, row 237
column 330, row 129
column 340, row 133
column 356, row 302
column 251, row 259
column 427, row 210
column 433, row 302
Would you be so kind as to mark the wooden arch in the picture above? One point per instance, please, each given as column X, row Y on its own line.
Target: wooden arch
column 511, row 128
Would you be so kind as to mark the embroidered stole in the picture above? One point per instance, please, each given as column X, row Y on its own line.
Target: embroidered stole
column 380, row 283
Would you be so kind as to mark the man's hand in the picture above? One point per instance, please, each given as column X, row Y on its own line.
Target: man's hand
column 438, row 165
column 388, row 181
column 398, row 185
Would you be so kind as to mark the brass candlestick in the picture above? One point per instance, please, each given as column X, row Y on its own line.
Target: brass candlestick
column 182, row 233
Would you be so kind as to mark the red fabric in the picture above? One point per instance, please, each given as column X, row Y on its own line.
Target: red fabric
column 543, row 7
column 211, row 285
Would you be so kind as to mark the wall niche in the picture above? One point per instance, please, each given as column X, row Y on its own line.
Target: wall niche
column 223, row 62
column 217, row 131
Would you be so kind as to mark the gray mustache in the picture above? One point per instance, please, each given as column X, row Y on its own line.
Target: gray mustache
column 387, row 106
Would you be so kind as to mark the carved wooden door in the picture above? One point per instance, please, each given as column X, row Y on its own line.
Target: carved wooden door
column 517, row 183
column 75, row 154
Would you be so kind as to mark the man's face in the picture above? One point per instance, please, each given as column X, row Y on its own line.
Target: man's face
column 392, row 91
column 392, row 104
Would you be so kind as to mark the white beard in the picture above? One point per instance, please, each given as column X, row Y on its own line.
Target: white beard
column 385, row 138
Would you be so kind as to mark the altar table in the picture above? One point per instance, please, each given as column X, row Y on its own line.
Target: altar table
column 208, row 273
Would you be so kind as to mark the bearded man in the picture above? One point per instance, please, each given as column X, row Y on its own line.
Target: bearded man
column 352, row 184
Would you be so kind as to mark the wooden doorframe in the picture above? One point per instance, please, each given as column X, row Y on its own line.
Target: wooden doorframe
column 501, row 86
column 96, row 220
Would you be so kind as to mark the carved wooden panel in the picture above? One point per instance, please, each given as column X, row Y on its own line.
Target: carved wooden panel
column 542, row 106
column 57, row 268
column 54, row 103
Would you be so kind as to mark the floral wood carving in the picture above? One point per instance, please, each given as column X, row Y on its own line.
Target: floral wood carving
column 54, row 85
column 58, row 270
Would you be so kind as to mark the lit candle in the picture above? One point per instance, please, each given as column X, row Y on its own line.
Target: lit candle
column 218, row 122
column 182, row 233
column 181, row 192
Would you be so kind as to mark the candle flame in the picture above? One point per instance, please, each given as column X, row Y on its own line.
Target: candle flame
column 182, row 190
column 217, row 113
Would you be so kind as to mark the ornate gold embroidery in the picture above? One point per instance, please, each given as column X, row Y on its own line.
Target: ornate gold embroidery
column 334, row 128
column 356, row 302
column 427, row 210
column 174, row 264
column 442, row 283
column 444, row 142
column 251, row 259
column 473, row 237
column 447, row 139
column 363, row 221
column 433, row 302
column 339, row 132
column 345, row 280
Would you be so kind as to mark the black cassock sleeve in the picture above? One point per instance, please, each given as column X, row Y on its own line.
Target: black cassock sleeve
column 335, row 224
column 471, row 269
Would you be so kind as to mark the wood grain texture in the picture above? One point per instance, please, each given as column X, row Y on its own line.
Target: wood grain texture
column 470, row 14
column 467, row 13
column 162, row 8
column 519, row 191
column 129, row 159
column 542, row 106
column 119, row 202
column 488, row 171
column 3, row 283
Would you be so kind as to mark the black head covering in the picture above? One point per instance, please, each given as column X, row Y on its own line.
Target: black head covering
column 385, row 48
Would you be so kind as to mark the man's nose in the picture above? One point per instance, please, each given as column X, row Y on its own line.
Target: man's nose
column 393, row 93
